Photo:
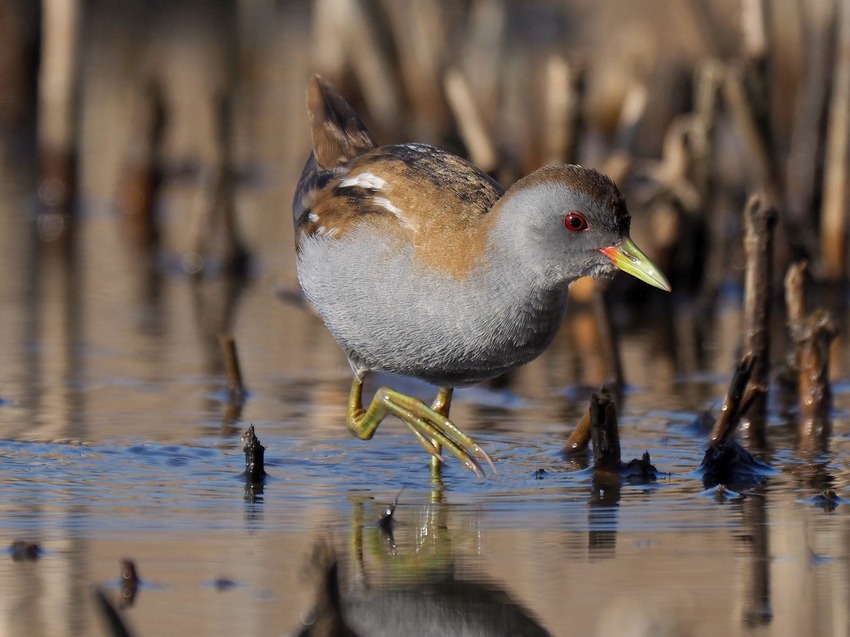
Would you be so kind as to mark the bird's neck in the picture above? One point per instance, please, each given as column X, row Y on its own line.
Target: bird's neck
column 522, row 296
column 513, row 250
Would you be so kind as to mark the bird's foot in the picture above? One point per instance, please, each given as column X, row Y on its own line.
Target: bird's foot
column 431, row 428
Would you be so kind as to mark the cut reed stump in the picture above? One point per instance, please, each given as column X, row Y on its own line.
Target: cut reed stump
column 725, row 461
column 808, row 374
column 759, row 223
column 255, row 466
column 232, row 368
column 605, row 436
column 812, row 338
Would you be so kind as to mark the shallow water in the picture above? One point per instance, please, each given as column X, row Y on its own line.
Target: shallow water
column 117, row 440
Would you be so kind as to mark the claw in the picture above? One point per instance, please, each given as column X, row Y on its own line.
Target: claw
column 478, row 452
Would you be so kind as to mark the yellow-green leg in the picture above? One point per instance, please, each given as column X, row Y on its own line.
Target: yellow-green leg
column 432, row 429
column 442, row 403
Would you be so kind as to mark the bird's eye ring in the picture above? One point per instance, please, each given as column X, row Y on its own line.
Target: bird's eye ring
column 575, row 221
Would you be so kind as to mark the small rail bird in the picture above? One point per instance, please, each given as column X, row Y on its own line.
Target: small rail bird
column 422, row 265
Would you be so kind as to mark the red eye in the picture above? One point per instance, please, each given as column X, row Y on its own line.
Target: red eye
column 575, row 221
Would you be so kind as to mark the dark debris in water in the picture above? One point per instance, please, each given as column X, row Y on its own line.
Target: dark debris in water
column 23, row 551
column 828, row 500
column 639, row 470
column 730, row 464
column 223, row 584
column 255, row 471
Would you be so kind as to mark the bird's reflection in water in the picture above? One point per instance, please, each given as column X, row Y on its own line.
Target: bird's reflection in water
column 419, row 593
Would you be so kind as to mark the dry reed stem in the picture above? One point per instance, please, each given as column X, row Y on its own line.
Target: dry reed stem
column 795, row 292
column 813, row 337
column 580, row 437
column 232, row 367
column 479, row 144
column 604, row 432
column 58, row 76
column 730, row 412
column 759, row 222
column 837, row 168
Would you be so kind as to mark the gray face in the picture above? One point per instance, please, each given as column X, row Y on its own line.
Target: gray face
column 565, row 218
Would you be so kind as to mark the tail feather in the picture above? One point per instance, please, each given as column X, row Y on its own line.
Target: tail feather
column 338, row 134
column 338, row 137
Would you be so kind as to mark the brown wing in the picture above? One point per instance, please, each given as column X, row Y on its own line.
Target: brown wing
column 426, row 196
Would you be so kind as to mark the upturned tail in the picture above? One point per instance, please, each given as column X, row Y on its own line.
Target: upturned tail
column 338, row 137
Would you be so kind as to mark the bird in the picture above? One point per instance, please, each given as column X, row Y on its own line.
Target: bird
column 422, row 265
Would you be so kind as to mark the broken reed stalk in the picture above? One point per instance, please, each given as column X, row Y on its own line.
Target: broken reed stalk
column 580, row 437
column 836, row 188
column 795, row 292
column 812, row 337
column 604, row 432
column 795, row 310
column 255, row 464
column 232, row 368
column 737, row 399
column 759, row 221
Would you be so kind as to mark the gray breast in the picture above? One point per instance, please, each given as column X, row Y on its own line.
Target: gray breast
column 390, row 315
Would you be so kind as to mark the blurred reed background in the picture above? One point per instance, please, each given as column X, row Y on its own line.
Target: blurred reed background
column 185, row 120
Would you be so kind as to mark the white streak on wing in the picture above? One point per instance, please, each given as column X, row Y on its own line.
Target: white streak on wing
column 363, row 180
column 386, row 204
column 321, row 231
